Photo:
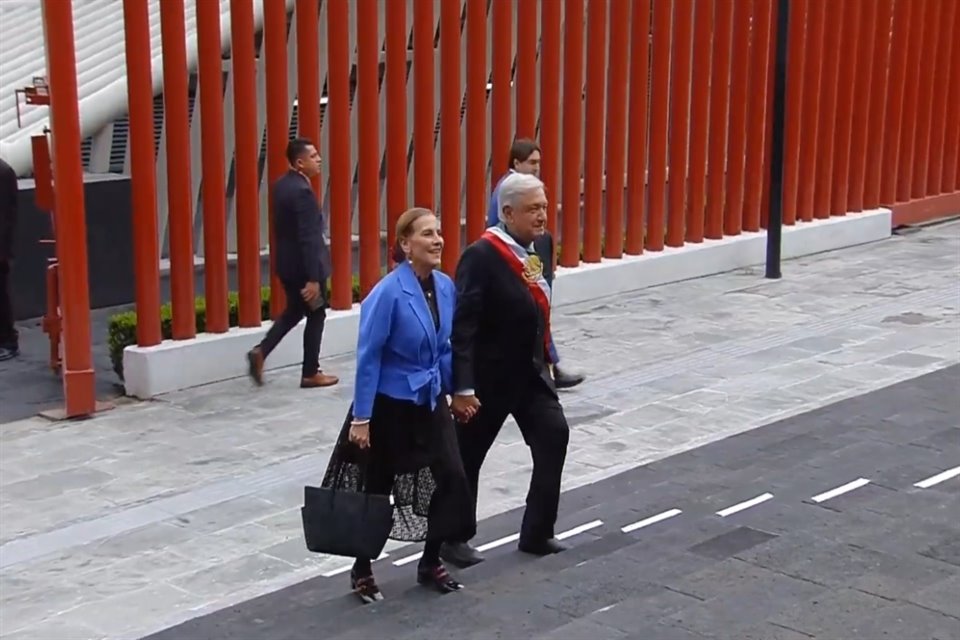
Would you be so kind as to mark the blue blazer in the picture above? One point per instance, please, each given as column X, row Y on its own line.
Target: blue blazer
column 400, row 353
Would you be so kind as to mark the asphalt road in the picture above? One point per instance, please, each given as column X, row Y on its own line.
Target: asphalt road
column 838, row 523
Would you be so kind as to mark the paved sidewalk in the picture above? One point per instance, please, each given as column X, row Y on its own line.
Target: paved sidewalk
column 155, row 513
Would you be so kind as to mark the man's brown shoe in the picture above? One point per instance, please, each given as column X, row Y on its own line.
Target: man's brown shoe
column 255, row 365
column 319, row 380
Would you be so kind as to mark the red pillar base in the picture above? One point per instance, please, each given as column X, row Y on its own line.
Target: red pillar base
column 926, row 209
column 79, row 391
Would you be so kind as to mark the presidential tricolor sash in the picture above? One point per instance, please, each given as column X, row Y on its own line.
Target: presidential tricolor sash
column 529, row 268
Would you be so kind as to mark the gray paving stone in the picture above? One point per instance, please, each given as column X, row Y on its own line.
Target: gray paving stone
column 837, row 325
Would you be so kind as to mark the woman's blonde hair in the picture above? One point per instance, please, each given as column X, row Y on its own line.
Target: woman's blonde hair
column 405, row 228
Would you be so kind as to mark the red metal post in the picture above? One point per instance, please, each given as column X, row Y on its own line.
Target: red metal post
column 927, row 72
column 424, row 104
column 214, row 180
column 637, row 124
column 948, row 42
column 71, row 228
column 813, row 67
column 572, row 138
column 368, row 137
column 500, row 122
column 549, row 105
column 476, row 118
column 143, row 173
column 950, row 179
column 757, row 114
column 616, row 126
column 878, row 102
column 338, row 115
column 699, row 112
column 450, row 100
column 826, row 128
column 397, row 144
column 308, row 74
column 526, row 83
column 845, row 101
column 179, row 193
column 903, row 14
column 911, row 102
column 719, row 102
column 736, row 143
column 278, row 126
column 796, row 68
column 659, row 124
column 680, row 119
column 593, row 130
column 861, row 109
column 242, row 61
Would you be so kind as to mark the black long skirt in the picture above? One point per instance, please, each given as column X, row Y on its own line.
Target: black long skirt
column 414, row 455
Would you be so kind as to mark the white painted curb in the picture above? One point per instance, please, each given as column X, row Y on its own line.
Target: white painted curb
column 173, row 365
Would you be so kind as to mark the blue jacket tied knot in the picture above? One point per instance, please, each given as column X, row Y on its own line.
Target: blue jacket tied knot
column 400, row 351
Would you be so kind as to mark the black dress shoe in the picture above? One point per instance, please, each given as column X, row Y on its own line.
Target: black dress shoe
column 460, row 554
column 566, row 380
column 438, row 578
column 543, row 547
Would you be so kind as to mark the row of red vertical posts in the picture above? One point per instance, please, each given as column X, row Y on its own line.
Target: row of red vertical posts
column 869, row 114
column 862, row 129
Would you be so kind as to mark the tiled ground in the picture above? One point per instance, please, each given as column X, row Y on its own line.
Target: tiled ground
column 171, row 508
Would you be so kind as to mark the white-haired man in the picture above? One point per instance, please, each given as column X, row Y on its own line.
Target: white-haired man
column 501, row 332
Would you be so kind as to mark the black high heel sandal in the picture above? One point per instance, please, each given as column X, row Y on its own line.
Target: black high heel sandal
column 365, row 587
column 439, row 578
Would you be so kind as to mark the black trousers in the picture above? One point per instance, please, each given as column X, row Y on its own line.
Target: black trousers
column 544, row 428
column 8, row 333
column 291, row 317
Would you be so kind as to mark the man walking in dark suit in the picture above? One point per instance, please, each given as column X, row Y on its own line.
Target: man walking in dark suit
column 525, row 158
column 303, row 261
column 501, row 332
column 9, row 339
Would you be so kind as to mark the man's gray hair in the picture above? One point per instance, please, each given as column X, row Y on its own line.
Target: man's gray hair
column 513, row 187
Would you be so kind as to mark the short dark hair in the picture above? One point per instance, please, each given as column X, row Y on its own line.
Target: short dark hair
column 521, row 150
column 297, row 148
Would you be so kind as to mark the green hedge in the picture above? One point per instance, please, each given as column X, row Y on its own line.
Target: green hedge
column 122, row 327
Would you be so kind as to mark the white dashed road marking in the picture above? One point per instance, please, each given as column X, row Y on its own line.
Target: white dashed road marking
column 853, row 485
column 937, row 479
column 578, row 530
column 407, row 560
column 651, row 520
column 839, row 491
column 513, row 537
column 752, row 502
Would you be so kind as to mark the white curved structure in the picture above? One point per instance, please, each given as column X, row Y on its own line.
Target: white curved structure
column 101, row 64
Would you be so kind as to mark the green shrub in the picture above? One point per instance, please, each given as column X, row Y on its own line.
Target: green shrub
column 122, row 327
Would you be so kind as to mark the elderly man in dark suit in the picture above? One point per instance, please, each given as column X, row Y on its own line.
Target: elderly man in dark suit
column 9, row 339
column 500, row 342
column 303, row 261
column 525, row 158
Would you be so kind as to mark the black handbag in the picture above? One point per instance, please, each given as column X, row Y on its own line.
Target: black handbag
column 346, row 523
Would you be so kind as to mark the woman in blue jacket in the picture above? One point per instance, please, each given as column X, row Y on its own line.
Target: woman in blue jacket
column 400, row 421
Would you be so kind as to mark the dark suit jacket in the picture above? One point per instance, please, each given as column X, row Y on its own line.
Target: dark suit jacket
column 302, row 254
column 8, row 210
column 548, row 255
column 498, row 330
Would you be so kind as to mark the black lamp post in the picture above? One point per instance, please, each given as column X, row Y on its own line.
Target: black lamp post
column 775, row 222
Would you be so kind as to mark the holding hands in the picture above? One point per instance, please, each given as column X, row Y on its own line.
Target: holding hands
column 464, row 408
